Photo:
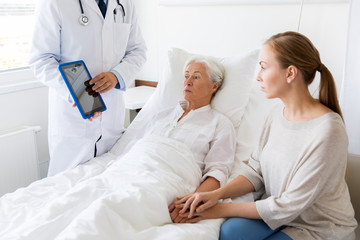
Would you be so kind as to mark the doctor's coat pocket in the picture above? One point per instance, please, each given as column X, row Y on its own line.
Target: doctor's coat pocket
column 121, row 37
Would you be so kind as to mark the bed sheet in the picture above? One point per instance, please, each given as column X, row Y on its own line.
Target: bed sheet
column 106, row 199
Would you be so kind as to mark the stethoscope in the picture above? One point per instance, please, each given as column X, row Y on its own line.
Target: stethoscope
column 84, row 20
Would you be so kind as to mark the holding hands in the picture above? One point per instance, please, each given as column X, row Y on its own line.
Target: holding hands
column 195, row 207
column 203, row 204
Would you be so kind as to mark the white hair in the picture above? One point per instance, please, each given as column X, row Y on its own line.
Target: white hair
column 215, row 69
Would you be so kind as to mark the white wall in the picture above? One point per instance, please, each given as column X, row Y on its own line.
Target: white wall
column 230, row 30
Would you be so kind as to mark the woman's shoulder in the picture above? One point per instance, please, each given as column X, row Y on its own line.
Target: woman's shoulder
column 328, row 129
column 327, row 119
column 331, row 123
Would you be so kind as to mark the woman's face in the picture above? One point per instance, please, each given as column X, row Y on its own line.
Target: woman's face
column 198, row 88
column 271, row 76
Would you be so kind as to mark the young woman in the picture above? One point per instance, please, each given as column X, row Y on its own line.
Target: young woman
column 300, row 161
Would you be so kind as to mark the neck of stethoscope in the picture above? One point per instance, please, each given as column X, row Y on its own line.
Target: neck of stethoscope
column 81, row 7
column 118, row 2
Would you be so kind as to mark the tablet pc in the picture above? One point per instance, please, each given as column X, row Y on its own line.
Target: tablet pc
column 76, row 76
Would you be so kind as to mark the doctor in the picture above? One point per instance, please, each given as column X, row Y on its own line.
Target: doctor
column 110, row 43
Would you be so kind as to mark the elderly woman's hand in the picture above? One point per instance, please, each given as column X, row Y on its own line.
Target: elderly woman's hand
column 210, row 213
column 175, row 214
column 197, row 202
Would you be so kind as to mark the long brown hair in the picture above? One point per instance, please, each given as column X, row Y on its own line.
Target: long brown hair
column 292, row 48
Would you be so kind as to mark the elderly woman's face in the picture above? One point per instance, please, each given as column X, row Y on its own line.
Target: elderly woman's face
column 197, row 84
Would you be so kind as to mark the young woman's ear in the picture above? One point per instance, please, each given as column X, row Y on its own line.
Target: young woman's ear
column 291, row 74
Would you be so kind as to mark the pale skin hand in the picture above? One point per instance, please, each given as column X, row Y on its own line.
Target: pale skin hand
column 216, row 211
column 220, row 210
column 204, row 205
column 209, row 184
column 197, row 202
column 175, row 214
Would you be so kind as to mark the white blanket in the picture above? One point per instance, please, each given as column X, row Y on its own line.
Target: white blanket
column 126, row 200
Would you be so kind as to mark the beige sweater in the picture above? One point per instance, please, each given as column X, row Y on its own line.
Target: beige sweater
column 301, row 166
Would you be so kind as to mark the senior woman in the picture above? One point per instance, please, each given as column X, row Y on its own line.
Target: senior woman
column 130, row 197
column 209, row 134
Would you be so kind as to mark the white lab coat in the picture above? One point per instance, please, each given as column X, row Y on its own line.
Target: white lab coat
column 104, row 45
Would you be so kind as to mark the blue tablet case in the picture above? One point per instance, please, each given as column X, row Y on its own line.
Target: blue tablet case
column 75, row 74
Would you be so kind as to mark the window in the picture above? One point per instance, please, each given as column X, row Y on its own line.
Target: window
column 16, row 26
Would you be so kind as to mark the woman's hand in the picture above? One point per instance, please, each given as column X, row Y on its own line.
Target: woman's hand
column 175, row 215
column 197, row 202
column 210, row 213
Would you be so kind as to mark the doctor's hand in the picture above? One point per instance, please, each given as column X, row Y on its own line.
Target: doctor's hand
column 96, row 115
column 104, row 82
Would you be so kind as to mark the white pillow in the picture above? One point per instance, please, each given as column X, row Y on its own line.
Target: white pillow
column 231, row 99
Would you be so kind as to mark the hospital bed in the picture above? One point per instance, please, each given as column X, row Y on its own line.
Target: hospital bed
column 114, row 197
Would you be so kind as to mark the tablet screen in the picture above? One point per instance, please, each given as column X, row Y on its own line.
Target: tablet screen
column 76, row 75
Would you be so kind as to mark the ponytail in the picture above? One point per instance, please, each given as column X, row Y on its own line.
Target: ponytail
column 327, row 91
column 293, row 48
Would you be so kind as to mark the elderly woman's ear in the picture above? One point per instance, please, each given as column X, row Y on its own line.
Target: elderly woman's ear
column 215, row 86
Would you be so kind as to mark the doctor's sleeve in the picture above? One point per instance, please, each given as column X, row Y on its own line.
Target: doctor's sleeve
column 121, row 84
column 135, row 54
column 220, row 158
column 45, row 47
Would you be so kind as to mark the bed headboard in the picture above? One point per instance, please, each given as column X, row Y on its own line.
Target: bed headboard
column 139, row 83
